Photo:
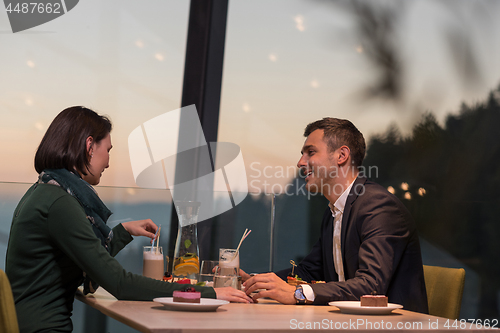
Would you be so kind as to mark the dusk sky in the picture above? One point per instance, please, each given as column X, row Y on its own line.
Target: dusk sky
column 287, row 63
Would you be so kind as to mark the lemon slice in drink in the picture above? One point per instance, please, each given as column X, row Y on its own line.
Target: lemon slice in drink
column 193, row 260
column 186, row 268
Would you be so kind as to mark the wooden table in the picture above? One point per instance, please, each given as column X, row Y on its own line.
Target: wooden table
column 265, row 316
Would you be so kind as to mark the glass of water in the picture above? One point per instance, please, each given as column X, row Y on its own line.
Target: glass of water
column 207, row 272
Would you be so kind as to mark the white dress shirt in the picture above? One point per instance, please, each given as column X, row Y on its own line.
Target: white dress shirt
column 337, row 212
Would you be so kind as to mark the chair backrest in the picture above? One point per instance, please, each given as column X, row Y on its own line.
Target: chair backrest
column 445, row 287
column 8, row 317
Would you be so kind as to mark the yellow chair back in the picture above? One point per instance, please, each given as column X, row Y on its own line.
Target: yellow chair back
column 8, row 317
column 445, row 287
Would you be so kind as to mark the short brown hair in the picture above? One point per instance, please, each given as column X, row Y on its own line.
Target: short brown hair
column 339, row 132
column 64, row 144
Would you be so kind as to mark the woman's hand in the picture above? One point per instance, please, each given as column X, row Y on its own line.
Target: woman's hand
column 141, row 228
column 244, row 275
column 232, row 295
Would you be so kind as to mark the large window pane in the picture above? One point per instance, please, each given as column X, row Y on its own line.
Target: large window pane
column 124, row 59
column 121, row 58
column 400, row 71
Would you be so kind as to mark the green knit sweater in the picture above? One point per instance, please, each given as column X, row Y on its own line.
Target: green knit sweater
column 51, row 244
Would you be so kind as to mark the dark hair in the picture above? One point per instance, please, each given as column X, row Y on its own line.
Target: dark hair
column 64, row 144
column 339, row 132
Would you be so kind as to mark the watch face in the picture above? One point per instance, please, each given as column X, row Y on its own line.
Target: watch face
column 299, row 294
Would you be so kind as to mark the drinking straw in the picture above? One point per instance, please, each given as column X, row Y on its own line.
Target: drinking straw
column 154, row 238
column 245, row 234
column 158, row 240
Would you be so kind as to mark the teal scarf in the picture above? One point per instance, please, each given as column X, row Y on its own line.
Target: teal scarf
column 96, row 210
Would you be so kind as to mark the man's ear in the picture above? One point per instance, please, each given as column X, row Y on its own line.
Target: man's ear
column 344, row 155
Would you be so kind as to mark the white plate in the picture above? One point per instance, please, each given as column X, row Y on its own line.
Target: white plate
column 355, row 307
column 206, row 304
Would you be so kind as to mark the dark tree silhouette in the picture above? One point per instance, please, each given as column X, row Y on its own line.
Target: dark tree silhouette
column 453, row 177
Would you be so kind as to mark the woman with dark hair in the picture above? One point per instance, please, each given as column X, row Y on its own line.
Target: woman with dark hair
column 59, row 238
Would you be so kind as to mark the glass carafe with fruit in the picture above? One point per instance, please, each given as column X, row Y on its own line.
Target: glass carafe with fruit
column 186, row 261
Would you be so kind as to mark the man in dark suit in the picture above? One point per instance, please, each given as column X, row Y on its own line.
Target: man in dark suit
column 368, row 241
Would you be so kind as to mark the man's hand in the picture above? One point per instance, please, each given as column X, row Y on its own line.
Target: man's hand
column 232, row 295
column 275, row 288
column 141, row 228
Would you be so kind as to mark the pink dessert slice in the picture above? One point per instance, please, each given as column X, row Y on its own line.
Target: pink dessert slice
column 187, row 296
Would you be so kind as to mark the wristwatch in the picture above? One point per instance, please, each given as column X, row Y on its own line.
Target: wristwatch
column 300, row 298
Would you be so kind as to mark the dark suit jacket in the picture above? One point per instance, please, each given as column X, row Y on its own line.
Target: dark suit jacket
column 380, row 252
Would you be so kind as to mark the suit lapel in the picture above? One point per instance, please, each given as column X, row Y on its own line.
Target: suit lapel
column 353, row 195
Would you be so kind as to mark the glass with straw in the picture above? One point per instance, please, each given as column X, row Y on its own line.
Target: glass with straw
column 153, row 262
column 229, row 266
